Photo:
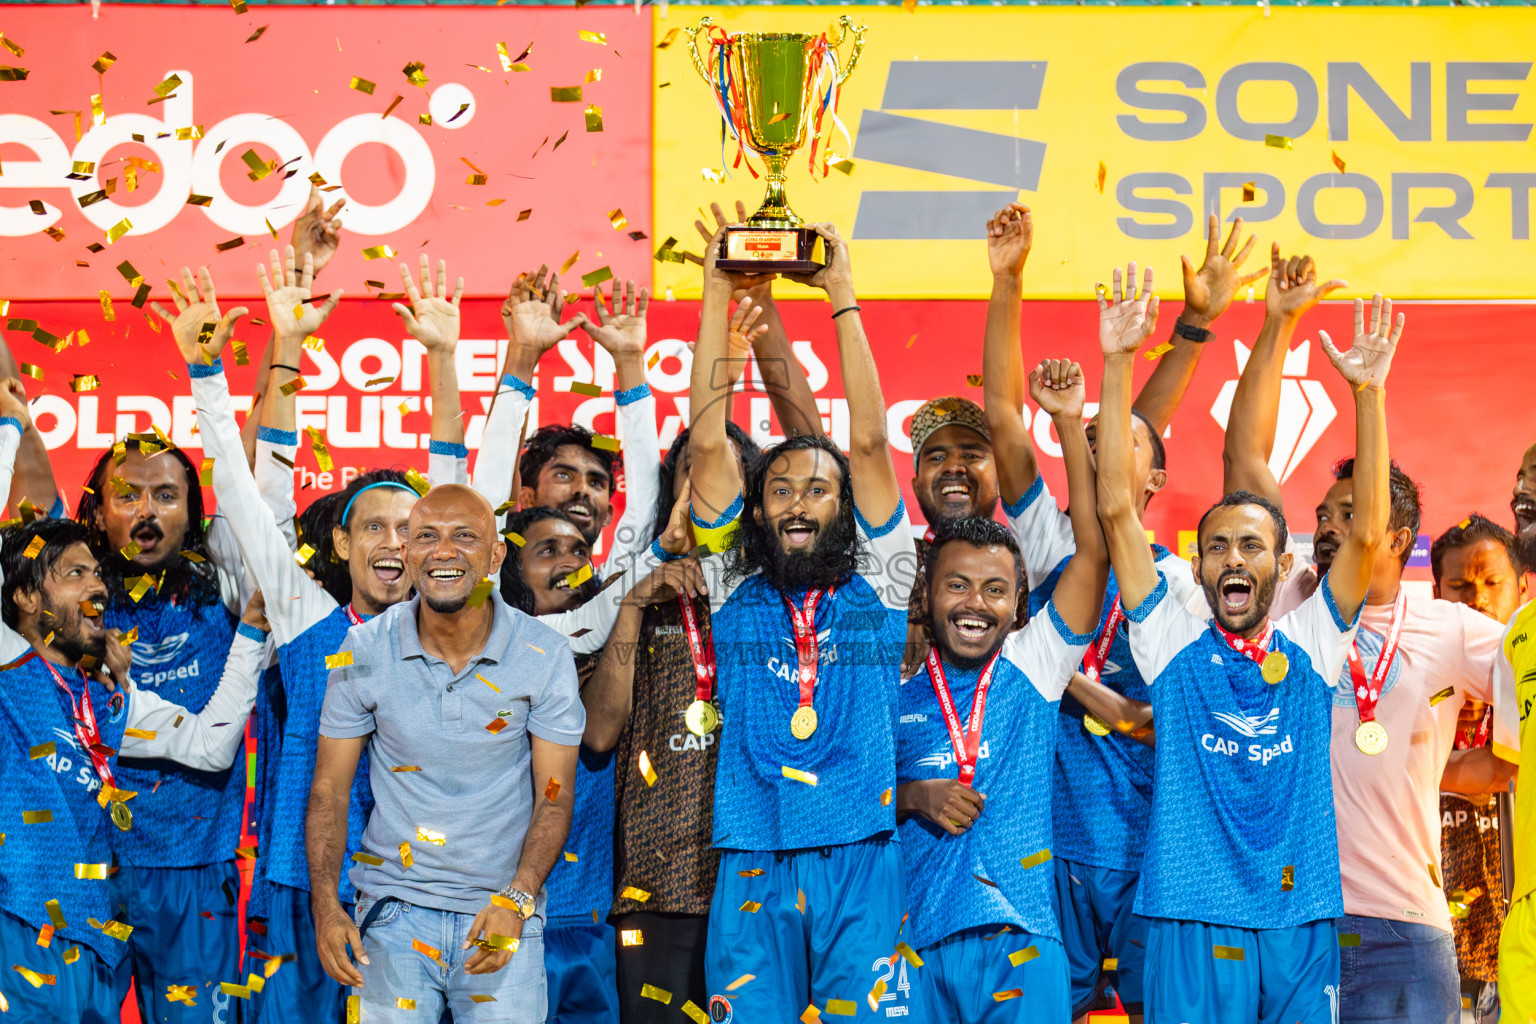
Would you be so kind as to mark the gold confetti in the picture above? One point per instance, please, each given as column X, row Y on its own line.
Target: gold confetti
column 1154, row 353
column 367, row 858
column 35, row 979
column 405, row 848
column 800, row 900
column 1338, row 161
column 1012, row 993
column 35, row 548
column 405, row 1004
column 594, row 117
column 141, row 734
column 96, row 871
column 750, row 873
column 100, row 64
column 565, row 94
column 167, row 87
column 629, row 892
column 733, row 986
column 909, row 954
column 233, row 243
column 479, row 999
column 603, row 441
column 885, row 799
column 481, row 593
column 1228, row 952
column 646, row 771
column 799, row 776
column 842, row 1007
column 1288, row 878
column 661, row 995
column 1023, row 956
column 1434, row 876
column 322, row 453
column 427, row 835
column 1278, row 141
column 579, row 577
column 418, row 482
column 1249, row 191
column 571, row 858
column 475, row 179
column 141, row 586
column 413, row 73
column 375, row 252
column 1103, row 172
column 42, row 749
column 597, row 277
column 1349, row 938
column 1436, row 698
column 695, row 1014
column 338, row 660
column 181, row 994
column 751, row 907
column 297, row 384
column 304, row 554
column 84, row 382
column 362, row 85
column 1036, row 859
column 811, row 1014
column 552, row 790
column 118, row 230
column 354, row 1009
column 973, row 380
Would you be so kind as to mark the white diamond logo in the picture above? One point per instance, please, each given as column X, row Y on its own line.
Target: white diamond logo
column 1305, row 410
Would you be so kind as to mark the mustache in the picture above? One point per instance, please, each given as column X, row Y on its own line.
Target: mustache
column 788, row 523
column 149, row 526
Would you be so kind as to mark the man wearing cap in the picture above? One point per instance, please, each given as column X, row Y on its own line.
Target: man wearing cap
column 1101, row 799
column 954, row 479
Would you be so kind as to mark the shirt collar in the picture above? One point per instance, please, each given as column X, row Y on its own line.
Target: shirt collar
column 408, row 639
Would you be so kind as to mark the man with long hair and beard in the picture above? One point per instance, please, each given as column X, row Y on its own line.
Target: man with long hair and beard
column 808, row 615
column 68, row 714
column 981, row 719
column 1241, row 875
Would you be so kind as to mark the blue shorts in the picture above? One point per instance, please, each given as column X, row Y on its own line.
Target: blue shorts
column 1284, row 976
column 85, row 991
column 172, row 942
column 580, row 970
column 1093, row 907
column 299, row 990
column 835, row 950
column 963, row 975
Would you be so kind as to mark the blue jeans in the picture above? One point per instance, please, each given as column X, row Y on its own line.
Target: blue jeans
column 1400, row 973
column 398, row 971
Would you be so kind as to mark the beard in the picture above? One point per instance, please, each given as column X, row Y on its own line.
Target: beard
column 830, row 559
column 69, row 636
column 936, row 510
column 1258, row 608
column 445, row 605
column 1525, row 548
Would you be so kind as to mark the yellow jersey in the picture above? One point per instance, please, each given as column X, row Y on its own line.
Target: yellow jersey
column 1517, row 696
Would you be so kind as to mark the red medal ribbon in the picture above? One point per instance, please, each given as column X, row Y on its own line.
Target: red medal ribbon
column 806, row 652
column 703, row 653
column 929, row 535
column 967, row 744
column 83, row 717
column 1367, row 694
column 1254, row 650
column 1093, row 658
column 352, row 616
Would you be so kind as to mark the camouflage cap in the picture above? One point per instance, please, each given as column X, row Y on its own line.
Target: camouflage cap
column 950, row 411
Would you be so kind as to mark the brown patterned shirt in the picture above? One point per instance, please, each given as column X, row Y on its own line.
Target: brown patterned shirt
column 663, row 831
column 1469, row 857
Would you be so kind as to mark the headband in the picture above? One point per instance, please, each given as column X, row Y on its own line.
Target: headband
column 382, row 483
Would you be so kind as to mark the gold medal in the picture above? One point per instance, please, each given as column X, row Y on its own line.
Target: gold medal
column 803, row 723
column 1096, row 725
column 122, row 817
column 1275, row 667
column 702, row 718
column 1371, row 738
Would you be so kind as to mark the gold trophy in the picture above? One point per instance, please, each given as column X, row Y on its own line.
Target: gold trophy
column 774, row 88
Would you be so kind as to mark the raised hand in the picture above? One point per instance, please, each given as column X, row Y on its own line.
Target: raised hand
column 1010, row 236
column 1125, row 323
column 200, row 332
column 432, row 317
column 288, row 306
column 1370, row 357
column 741, row 333
column 1293, row 287
column 758, row 286
column 1209, row 290
column 677, row 538
column 1056, row 386
column 622, row 331
column 836, row 277
column 317, row 232
column 531, row 313
column 13, row 402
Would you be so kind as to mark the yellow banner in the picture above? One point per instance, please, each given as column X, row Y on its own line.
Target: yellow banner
column 1393, row 144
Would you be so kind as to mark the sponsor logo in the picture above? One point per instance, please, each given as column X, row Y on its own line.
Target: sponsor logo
column 169, row 675
column 789, row 670
column 167, row 650
column 681, row 742
column 1250, row 727
column 117, row 707
column 910, row 719
column 1305, row 410
column 720, row 1010
column 1369, row 644
column 945, row 756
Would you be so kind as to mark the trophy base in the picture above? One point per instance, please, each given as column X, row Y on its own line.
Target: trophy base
column 749, row 250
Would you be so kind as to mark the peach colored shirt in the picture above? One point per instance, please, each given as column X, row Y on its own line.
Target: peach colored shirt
column 1388, row 805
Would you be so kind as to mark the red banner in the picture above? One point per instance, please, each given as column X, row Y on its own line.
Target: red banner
column 1459, row 432
column 316, row 93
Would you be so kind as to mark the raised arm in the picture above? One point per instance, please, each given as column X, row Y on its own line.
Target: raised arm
column 288, row 292
column 1293, row 289
column 1056, row 386
column 33, row 477
column 713, row 469
column 15, row 420
column 433, row 319
column 1122, row 714
column 1124, row 324
column 1365, row 367
column 876, row 493
column 1010, row 236
column 1207, row 293
column 325, row 843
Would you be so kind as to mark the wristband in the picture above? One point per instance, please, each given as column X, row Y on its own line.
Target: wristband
column 1192, row 333
column 845, row 309
column 285, row 366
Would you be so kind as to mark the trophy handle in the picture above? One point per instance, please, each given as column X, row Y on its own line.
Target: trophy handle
column 699, row 63
column 844, row 26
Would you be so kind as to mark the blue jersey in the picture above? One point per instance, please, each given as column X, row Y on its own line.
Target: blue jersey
column 945, row 893
column 269, row 747
column 776, row 792
column 282, row 858
column 37, row 861
column 181, row 817
column 1102, row 789
column 577, row 887
column 1242, row 819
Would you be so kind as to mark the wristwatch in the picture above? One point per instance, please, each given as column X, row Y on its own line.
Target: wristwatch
column 1192, row 333
column 516, row 899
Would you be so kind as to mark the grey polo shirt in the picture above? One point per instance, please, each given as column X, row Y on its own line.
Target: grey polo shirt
column 465, row 803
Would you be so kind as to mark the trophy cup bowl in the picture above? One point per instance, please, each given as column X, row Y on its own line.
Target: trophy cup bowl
column 769, row 86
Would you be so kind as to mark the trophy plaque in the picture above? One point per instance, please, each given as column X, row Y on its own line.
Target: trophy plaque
column 774, row 89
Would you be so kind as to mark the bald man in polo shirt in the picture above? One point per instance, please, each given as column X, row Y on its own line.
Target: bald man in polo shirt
column 471, row 716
